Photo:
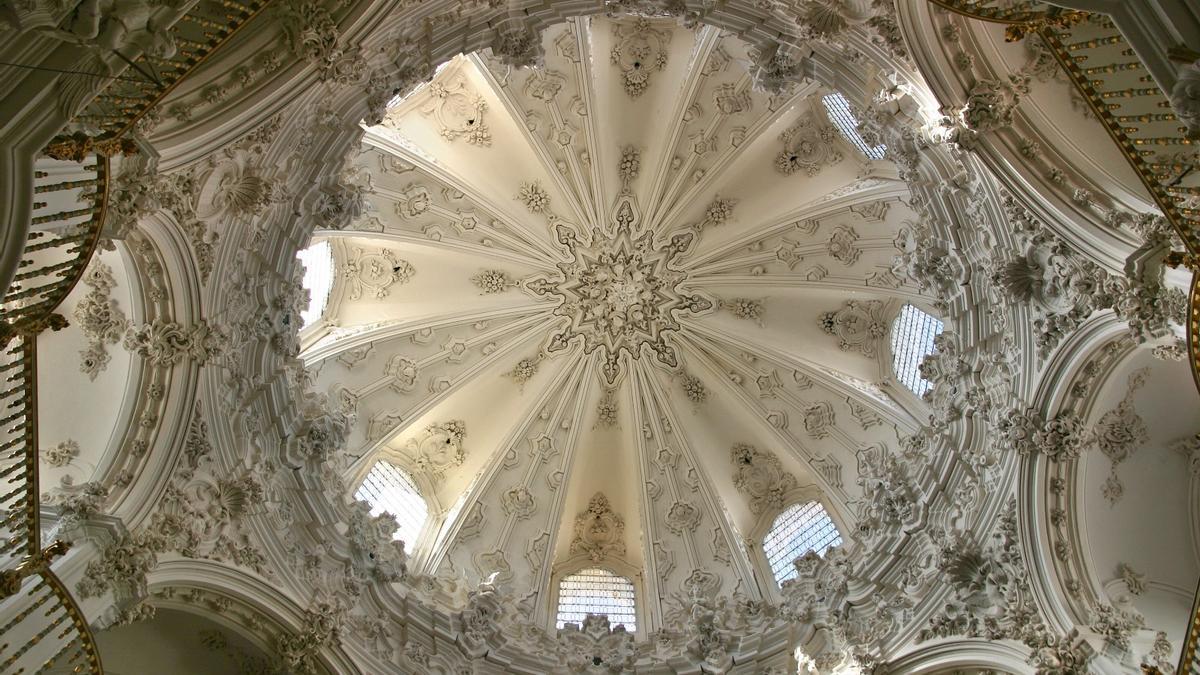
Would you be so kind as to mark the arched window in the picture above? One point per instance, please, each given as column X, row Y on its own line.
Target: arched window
column 912, row 341
column 597, row 591
column 389, row 488
column 801, row 528
column 843, row 118
column 318, row 279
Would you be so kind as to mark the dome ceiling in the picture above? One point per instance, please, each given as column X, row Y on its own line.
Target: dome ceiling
column 622, row 287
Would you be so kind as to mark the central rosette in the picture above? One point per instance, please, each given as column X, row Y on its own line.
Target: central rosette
column 620, row 291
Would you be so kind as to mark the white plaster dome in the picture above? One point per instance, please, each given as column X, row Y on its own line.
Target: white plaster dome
column 617, row 310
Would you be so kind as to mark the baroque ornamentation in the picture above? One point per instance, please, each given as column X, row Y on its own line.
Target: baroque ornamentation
column 831, row 17
column 595, row 643
column 747, row 309
column 639, row 51
column 808, row 146
column 993, row 599
column 1134, row 581
column 1185, row 98
column 1064, row 287
column 599, row 531
column 620, row 292
column 760, row 476
column 61, row 454
column 1120, row 431
column 375, row 273
column 682, row 517
column 493, row 281
column 842, row 245
column 102, row 321
column 518, row 502
column 534, row 197
column 457, row 110
column 344, row 552
column 166, row 343
column 858, row 325
column 439, row 447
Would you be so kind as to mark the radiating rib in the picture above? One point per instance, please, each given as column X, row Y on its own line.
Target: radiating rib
column 829, row 281
column 519, row 433
column 570, row 188
column 330, row 349
column 795, row 448
column 512, row 219
column 673, row 203
column 822, row 207
column 601, row 199
column 511, row 246
column 706, row 40
column 649, row 390
column 881, row 404
column 532, row 332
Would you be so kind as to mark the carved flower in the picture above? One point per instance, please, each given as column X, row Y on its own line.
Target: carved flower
column 524, row 370
column 746, row 309
column 61, row 454
column 606, row 412
column 492, row 281
column 93, row 360
column 534, row 197
column 694, row 389
column 719, row 211
column 631, row 164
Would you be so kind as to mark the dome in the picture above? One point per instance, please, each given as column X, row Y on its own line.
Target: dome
column 645, row 337
column 624, row 284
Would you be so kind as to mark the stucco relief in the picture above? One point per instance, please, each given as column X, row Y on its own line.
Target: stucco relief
column 760, row 477
column 858, row 325
column 100, row 317
column 375, row 273
column 640, row 50
column 599, row 532
column 457, row 109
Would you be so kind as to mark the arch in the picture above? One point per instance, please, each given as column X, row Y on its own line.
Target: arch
column 800, row 527
column 600, row 591
column 952, row 656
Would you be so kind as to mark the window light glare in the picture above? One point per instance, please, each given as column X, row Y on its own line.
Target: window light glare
column 838, row 108
column 801, row 528
column 389, row 488
column 318, row 279
column 912, row 340
column 596, row 591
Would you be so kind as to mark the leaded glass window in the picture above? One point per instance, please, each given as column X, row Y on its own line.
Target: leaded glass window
column 596, row 591
column 389, row 488
column 318, row 279
column 912, row 340
column 801, row 528
column 843, row 118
